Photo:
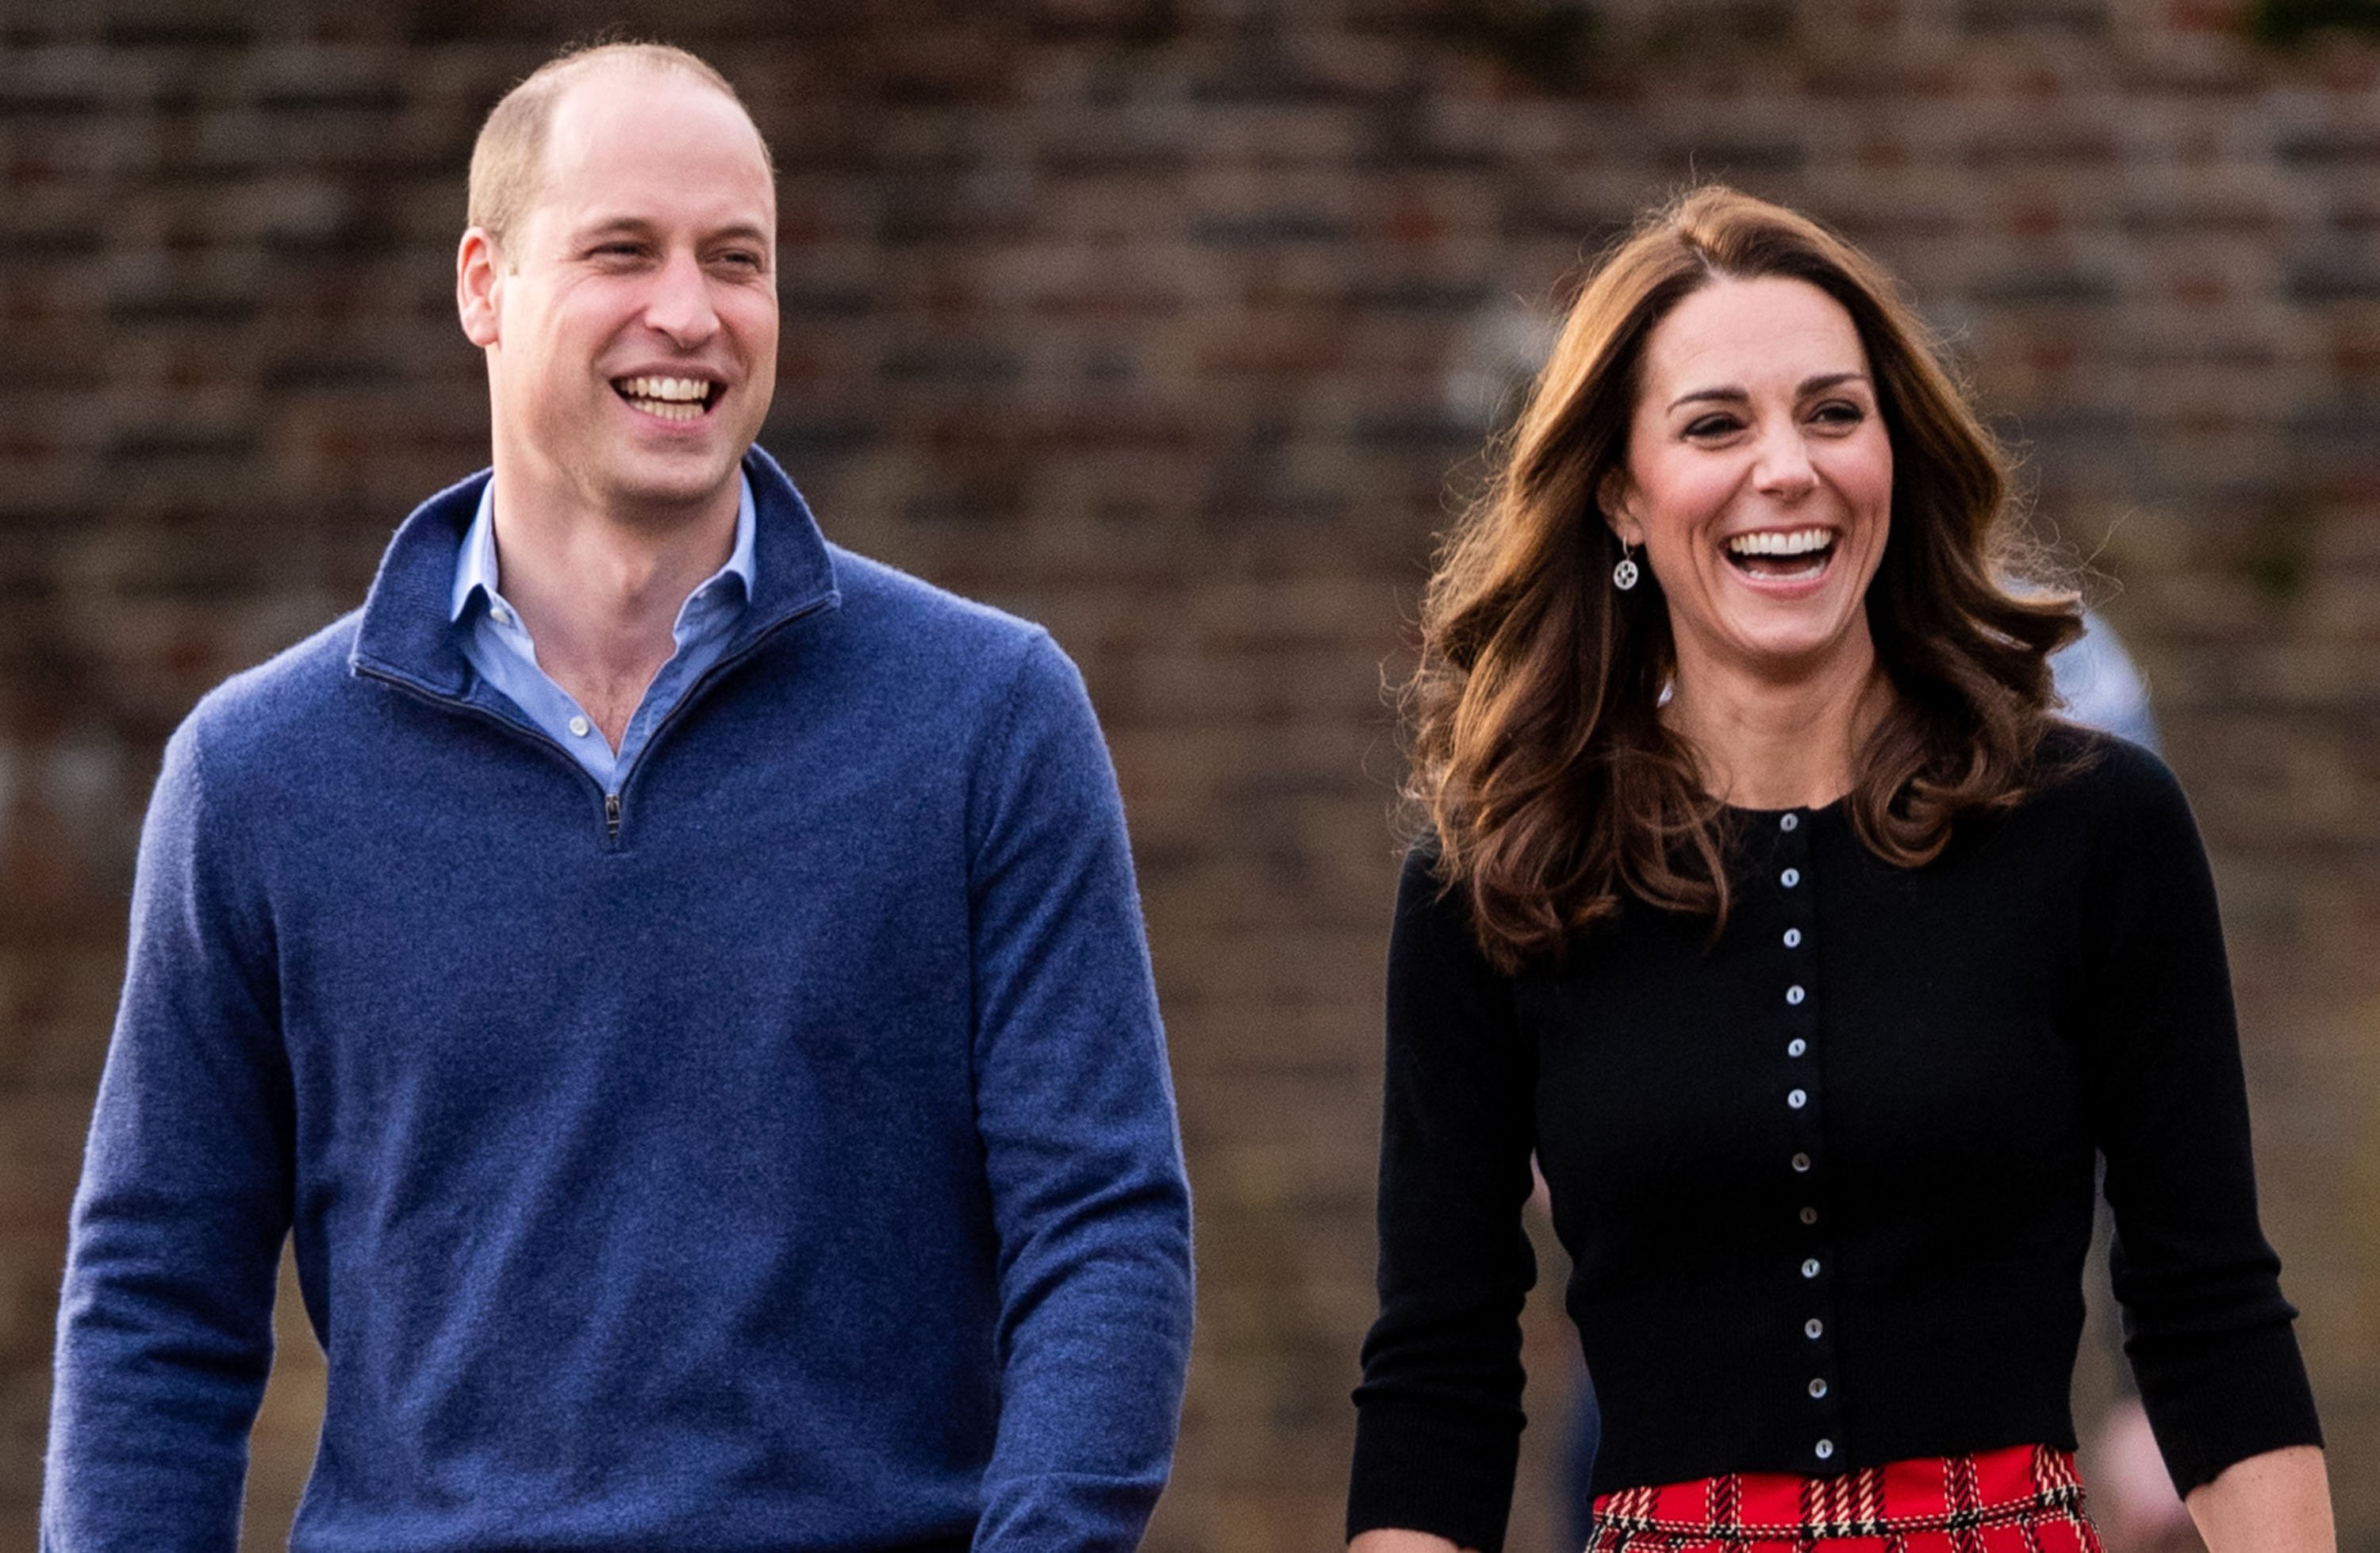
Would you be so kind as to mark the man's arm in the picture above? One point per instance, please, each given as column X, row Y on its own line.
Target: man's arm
column 1075, row 1107
column 164, row 1329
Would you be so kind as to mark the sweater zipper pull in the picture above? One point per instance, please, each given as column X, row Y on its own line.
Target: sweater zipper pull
column 612, row 816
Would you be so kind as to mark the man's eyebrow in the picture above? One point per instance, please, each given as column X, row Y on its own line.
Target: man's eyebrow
column 615, row 226
column 638, row 226
column 1733, row 395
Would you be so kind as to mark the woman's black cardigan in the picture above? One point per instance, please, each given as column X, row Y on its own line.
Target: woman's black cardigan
column 1827, row 1182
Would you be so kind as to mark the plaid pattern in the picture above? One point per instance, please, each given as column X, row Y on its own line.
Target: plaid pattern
column 2024, row 1500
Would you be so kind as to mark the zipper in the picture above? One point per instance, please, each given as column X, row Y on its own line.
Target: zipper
column 420, row 692
column 693, row 693
column 612, row 805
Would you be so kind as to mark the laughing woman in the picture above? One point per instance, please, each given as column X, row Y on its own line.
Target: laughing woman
column 1768, row 904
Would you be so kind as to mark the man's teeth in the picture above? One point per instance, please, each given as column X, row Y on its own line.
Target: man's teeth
column 664, row 388
column 670, row 398
column 1799, row 541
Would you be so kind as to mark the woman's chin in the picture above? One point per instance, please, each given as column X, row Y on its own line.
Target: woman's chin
column 1798, row 646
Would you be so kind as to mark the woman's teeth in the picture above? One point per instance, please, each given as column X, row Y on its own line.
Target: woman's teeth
column 1783, row 553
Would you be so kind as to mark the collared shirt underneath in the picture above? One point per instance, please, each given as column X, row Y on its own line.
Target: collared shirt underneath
column 499, row 646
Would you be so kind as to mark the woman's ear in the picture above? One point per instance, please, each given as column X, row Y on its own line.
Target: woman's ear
column 1615, row 497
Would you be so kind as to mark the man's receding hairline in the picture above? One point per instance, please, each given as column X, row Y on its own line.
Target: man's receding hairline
column 570, row 71
column 509, row 157
column 571, row 78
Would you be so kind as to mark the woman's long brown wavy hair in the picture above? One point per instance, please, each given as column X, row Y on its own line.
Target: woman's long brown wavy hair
column 1539, row 755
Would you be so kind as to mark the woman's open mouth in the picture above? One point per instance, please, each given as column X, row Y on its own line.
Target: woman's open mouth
column 1782, row 554
column 668, row 398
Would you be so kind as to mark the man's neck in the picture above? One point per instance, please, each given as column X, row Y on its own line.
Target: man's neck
column 600, row 592
column 1778, row 739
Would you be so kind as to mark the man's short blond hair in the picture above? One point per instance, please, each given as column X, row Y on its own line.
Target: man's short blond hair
column 509, row 159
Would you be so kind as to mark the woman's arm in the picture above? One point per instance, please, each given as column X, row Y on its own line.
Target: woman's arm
column 1438, row 1419
column 2279, row 1502
column 2207, row 1329
column 1403, row 1542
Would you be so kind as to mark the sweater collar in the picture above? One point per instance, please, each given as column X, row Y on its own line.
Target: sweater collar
column 405, row 632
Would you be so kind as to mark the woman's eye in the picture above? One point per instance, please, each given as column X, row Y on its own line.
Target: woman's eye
column 1711, row 426
column 1839, row 413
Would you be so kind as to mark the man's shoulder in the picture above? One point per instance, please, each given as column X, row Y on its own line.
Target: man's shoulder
column 281, row 705
column 919, row 633
column 884, row 597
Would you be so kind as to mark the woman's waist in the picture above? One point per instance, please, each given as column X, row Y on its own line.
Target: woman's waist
column 1808, row 1376
column 2020, row 1484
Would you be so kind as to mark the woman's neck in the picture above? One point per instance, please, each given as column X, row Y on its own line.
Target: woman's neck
column 1769, row 738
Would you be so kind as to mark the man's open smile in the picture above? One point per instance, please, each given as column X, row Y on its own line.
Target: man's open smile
column 669, row 398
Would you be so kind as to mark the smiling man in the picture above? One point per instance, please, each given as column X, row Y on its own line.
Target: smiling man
column 679, row 982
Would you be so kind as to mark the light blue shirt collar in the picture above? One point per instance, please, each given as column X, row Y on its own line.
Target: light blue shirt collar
column 475, row 567
column 498, row 646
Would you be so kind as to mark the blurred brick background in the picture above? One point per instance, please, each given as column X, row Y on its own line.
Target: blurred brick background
column 1174, row 326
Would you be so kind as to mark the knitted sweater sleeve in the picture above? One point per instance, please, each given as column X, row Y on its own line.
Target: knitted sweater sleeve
column 164, row 1333
column 1438, row 1414
column 2207, row 1329
column 1081, row 1151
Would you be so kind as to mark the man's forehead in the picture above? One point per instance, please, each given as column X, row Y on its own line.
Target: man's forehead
column 619, row 121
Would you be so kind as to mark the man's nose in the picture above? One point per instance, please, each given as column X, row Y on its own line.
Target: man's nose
column 679, row 305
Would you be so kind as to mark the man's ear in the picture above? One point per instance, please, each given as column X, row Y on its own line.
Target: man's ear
column 478, row 278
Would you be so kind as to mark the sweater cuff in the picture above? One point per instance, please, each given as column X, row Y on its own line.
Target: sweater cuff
column 2219, row 1399
column 1420, row 1468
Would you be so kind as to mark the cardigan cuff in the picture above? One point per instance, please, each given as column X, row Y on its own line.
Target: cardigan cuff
column 2220, row 1399
column 1424, row 1468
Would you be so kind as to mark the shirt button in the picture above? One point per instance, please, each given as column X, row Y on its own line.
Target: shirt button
column 1814, row 1329
column 1809, row 1215
column 1817, row 1386
column 1792, row 938
column 1794, row 995
column 501, row 615
column 1810, row 1267
column 1797, row 1100
column 1795, row 1046
column 578, row 726
column 1789, row 822
column 1801, row 1163
column 1824, row 1449
column 1790, row 878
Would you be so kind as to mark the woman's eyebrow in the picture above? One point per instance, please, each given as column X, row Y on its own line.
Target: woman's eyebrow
column 1732, row 395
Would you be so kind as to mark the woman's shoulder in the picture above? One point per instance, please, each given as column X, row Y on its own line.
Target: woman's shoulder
column 2106, row 783
column 1428, row 896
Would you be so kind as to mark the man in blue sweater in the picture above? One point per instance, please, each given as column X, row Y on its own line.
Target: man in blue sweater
column 680, row 983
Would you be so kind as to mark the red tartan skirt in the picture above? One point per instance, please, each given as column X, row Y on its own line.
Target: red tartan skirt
column 2024, row 1500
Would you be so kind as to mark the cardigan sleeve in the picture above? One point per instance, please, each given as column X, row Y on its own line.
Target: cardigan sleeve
column 2207, row 1329
column 1439, row 1413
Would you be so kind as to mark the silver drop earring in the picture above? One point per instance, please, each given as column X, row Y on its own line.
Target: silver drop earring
column 1624, row 575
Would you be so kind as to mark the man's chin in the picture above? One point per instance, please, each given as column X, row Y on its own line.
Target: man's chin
column 657, row 485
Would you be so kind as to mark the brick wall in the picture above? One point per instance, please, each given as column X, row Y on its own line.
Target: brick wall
column 1169, row 323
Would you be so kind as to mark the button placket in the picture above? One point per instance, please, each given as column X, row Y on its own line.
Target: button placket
column 1814, row 1325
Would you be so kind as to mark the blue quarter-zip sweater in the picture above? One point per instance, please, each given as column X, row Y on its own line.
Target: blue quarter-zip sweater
column 781, row 1157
